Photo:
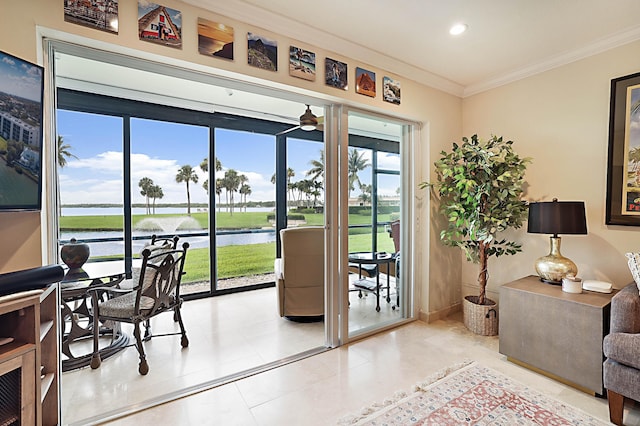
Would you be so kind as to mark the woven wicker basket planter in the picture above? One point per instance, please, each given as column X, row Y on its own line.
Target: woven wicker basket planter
column 480, row 319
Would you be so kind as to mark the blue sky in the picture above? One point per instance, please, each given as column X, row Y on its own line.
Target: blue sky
column 19, row 78
column 159, row 149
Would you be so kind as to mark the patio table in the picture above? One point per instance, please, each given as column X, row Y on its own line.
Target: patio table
column 370, row 258
column 76, row 313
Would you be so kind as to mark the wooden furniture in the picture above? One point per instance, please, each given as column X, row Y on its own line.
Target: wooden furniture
column 29, row 363
column 556, row 333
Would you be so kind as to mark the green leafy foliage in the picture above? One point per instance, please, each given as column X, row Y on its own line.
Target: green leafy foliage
column 480, row 186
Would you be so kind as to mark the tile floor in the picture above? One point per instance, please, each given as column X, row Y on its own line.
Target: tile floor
column 320, row 389
column 227, row 334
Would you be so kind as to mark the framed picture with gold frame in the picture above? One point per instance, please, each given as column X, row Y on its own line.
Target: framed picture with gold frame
column 623, row 169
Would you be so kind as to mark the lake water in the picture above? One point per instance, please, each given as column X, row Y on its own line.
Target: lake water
column 115, row 211
column 108, row 248
column 117, row 247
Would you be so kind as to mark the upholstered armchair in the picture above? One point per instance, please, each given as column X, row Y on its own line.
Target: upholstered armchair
column 300, row 272
column 622, row 350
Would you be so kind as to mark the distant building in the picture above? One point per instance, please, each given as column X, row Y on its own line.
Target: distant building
column 30, row 160
column 12, row 128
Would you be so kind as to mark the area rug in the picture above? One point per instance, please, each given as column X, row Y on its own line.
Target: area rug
column 470, row 394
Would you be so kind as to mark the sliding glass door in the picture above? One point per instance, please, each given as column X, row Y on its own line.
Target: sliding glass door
column 376, row 290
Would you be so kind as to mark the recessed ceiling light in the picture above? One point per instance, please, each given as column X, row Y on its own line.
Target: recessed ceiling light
column 458, row 29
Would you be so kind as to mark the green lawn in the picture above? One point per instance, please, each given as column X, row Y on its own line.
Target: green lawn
column 253, row 259
column 224, row 220
column 235, row 260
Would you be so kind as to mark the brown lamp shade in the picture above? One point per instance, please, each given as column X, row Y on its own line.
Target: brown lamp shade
column 557, row 217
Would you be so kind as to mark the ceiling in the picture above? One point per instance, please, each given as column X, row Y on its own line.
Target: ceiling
column 506, row 39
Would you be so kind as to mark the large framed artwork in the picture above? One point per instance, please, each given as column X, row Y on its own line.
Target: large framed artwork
column 623, row 171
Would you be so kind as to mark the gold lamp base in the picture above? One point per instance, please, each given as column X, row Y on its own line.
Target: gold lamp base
column 553, row 267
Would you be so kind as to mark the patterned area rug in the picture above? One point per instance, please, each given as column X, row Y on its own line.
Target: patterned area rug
column 470, row 394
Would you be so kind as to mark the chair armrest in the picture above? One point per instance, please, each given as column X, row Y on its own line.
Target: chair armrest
column 623, row 348
column 625, row 311
column 278, row 267
column 110, row 290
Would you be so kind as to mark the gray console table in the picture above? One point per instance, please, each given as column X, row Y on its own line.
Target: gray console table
column 556, row 333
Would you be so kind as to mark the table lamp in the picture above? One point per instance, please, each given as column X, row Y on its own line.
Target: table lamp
column 556, row 217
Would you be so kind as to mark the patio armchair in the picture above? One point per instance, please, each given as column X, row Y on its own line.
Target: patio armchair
column 621, row 346
column 300, row 273
column 156, row 243
column 157, row 290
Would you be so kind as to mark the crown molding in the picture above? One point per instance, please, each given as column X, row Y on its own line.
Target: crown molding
column 256, row 16
column 620, row 38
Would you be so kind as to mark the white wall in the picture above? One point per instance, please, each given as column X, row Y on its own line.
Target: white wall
column 560, row 118
column 440, row 112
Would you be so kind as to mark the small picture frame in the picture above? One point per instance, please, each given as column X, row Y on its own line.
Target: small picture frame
column 215, row 39
column 159, row 24
column 365, row 82
column 302, row 63
column 262, row 52
column 335, row 73
column 98, row 15
column 391, row 90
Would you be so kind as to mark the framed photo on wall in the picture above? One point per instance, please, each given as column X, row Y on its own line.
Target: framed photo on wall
column 159, row 24
column 623, row 169
column 335, row 73
column 302, row 63
column 262, row 52
column 99, row 15
column 365, row 82
column 215, row 39
column 391, row 90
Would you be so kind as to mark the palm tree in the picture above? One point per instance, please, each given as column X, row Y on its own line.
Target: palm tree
column 64, row 152
column 290, row 187
column 204, row 166
column 242, row 180
column 146, row 184
column 356, row 163
column 187, row 174
column 317, row 168
column 155, row 192
column 245, row 190
column 365, row 196
column 231, row 182
column 219, row 186
column 634, row 157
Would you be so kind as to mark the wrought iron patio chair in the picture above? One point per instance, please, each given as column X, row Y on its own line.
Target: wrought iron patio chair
column 157, row 291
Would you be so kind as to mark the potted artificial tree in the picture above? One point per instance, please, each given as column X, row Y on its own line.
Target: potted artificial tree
column 480, row 185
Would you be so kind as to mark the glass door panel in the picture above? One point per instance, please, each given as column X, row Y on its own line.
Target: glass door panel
column 169, row 197
column 305, row 170
column 90, row 169
column 245, row 209
column 374, row 209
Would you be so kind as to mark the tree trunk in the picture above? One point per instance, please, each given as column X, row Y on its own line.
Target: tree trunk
column 482, row 277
